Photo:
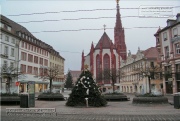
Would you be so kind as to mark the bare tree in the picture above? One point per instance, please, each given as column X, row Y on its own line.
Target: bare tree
column 151, row 72
column 9, row 73
column 49, row 73
column 112, row 74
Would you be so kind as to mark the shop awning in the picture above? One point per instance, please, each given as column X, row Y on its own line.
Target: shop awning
column 57, row 83
column 36, row 82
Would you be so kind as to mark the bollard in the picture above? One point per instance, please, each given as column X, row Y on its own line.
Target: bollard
column 86, row 101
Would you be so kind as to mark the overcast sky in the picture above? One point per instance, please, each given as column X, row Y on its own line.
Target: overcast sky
column 70, row 44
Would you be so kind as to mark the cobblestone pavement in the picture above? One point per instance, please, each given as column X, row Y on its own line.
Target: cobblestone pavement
column 114, row 111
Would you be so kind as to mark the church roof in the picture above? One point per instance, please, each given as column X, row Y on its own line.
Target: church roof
column 106, row 42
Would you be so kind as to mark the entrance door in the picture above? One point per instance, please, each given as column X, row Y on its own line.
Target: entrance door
column 169, row 87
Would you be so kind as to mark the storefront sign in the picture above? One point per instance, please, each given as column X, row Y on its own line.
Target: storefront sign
column 17, row 83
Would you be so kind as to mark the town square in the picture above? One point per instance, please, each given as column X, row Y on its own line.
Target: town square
column 109, row 60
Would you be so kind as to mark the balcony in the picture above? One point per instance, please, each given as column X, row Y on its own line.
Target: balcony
column 175, row 38
column 4, row 56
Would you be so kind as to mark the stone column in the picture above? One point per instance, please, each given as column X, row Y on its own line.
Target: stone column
column 174, row 83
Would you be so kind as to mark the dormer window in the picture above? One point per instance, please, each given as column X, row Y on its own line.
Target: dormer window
column 175, row 32
column 165, row 36
column 2, row 25
column 9, row 28
column 19, row 33
column 22, row 35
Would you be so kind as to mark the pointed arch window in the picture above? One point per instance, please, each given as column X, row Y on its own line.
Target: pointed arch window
column 98, row 69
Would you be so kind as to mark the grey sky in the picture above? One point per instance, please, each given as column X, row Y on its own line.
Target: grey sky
column 75, row 42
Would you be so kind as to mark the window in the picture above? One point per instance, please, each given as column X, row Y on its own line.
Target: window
column 26, row 45
column 177, row 67
column 165, row 36
column 175, row 32
column 6, row 50
column 30, row 69
column 22, row 44
column 166, row 52
column 30, row 58
column 35, row 71
column 23, row 56
column 41, row 61
column 177, row 47
column 5, row 64
column 7, row 39
column 13, row 41
column 12, row 52
column 23, row 68
column 31, row 47
column 19, row 33
column 45, row 62
column 35, row 59
column 12, row 65
column 9, row 28
column 40, row 71
column 34, row 49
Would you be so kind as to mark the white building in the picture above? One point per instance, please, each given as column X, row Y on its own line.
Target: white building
column 8, row 51
column 31, row 55
column 132, row 80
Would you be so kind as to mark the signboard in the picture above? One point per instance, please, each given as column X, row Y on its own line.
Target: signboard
column 31, row 91
column 17, row 83
column 170, row 79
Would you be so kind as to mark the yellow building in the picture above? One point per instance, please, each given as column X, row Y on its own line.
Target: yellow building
column 56, row 60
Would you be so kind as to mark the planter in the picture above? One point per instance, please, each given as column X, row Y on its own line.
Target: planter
column 10, row 100
column 116, row 97
column 150, row 100
column 51, row 96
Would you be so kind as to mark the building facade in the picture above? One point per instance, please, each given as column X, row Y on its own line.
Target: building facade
column 8, row 52
column 132, row 80
column 168, row 45
column 57, row 61
column 31, row 55
column 106, row 54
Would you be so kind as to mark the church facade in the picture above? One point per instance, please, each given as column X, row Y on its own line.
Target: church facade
column 106, row 54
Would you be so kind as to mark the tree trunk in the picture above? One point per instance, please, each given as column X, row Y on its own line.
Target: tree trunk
column 113, row 85
column 149, row 81
column 8, row 85
column 50, row 86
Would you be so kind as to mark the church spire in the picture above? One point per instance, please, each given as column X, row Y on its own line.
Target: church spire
column 119, row 37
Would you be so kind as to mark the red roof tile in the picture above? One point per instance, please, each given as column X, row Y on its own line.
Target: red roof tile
column 106, row 42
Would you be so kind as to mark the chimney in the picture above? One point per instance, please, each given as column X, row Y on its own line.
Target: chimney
column 178, row 17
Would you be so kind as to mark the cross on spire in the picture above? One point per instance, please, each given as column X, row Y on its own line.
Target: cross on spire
column 104, row 27
column 117, row 1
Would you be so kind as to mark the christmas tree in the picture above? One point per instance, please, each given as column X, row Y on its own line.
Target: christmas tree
column 86, row 89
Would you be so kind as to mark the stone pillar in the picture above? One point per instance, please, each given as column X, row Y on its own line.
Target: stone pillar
column 174, row 83
column 164, row 83
column 43, row 87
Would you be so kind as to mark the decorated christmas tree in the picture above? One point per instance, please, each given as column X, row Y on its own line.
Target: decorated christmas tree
column 86, row 91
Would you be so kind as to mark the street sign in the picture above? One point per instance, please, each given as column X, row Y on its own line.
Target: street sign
column 170, row 79
column 17, row 83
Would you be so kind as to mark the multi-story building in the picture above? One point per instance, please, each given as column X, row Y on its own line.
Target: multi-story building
column 30, row 54
column 57, row 61
column 132, row 80
column 8, row 51
column 75, row 75
column 168, row 45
